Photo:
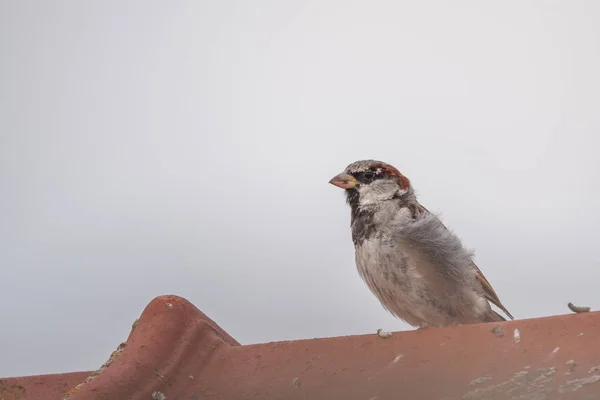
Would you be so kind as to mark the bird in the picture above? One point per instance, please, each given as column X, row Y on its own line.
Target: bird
column 417, row 268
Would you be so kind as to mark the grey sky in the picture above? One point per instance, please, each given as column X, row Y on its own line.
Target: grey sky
column 151, row 147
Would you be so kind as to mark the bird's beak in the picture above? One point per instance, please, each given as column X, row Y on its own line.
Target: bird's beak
column 343, row 181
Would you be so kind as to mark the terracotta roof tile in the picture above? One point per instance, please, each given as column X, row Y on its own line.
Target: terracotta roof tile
column 176, row 352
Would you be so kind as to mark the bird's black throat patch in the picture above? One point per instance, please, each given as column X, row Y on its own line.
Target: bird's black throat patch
column 361, row 220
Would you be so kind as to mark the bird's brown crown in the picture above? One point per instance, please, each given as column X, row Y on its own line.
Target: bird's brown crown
column 367, row 171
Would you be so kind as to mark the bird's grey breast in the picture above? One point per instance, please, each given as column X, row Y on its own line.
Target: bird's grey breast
column 379, row 258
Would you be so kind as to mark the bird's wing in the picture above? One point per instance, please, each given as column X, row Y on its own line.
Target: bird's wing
column 490, row 293
column 488, row 290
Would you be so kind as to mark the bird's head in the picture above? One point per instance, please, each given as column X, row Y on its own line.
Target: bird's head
column 369, row 182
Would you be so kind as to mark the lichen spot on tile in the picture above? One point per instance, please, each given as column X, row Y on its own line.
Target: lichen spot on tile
column 158, row 396
column 397, row 358
column 517, row 336
column 134, row 324
column 576, row 384
column 383, row 334
column 497, row 330
column 553, row 352
column 480, row 380
column 593, row 370
column 570, row 366
column 297, row 383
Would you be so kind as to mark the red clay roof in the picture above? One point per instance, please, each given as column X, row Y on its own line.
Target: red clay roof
column 176, row 352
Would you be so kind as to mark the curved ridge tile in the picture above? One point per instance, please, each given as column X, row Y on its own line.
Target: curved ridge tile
column 176, row 352
column 546, row 358
column 39, row 387
column 169, row 347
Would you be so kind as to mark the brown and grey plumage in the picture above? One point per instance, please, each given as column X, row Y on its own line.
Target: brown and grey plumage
column 416, row 267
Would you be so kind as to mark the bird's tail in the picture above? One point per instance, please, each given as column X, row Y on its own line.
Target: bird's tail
column 493, row 316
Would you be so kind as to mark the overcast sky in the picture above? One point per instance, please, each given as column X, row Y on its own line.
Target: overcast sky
column 184, row 147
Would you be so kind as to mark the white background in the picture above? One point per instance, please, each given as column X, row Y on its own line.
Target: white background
column 184, row 147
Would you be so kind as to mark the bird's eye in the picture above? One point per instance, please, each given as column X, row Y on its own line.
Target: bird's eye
column 369, row 175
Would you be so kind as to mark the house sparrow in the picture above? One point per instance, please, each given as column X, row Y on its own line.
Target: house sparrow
column 416, row 267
